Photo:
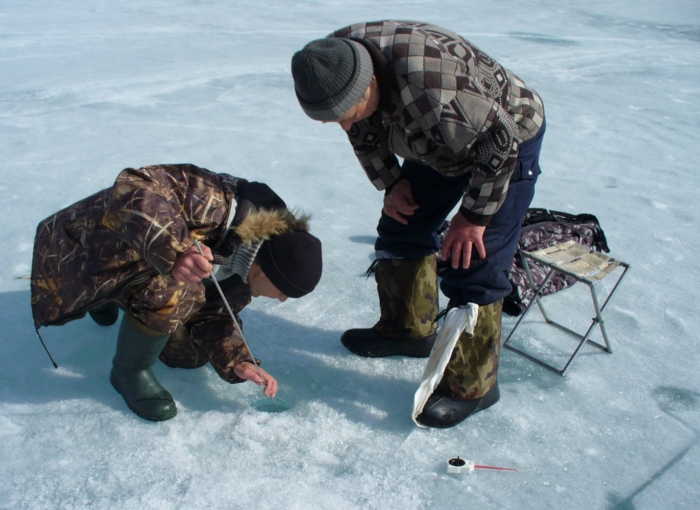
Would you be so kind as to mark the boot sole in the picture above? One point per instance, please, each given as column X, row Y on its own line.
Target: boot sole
column 444, row 420
column 384, row 348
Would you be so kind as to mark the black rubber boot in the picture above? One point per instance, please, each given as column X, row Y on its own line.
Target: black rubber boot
column 368, row 343
column 443, row 411
column 137, row 351
column 105, row 315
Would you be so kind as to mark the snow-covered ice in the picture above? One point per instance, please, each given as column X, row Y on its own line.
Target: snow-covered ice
column 90, row 87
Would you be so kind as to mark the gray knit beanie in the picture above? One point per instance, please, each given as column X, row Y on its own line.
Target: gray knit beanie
column 330, row 76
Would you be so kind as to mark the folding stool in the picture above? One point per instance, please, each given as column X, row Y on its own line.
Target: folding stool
column 585, row 266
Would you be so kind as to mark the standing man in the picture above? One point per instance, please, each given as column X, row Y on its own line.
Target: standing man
column 468, row 130
column 131, row 247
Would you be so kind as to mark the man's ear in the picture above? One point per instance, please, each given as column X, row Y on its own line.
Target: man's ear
column 254, row 272
column 370, row 89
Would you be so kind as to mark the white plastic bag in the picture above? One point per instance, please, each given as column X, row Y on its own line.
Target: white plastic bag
column 457, row 320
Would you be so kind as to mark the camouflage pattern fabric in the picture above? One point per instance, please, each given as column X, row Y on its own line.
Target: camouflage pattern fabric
column 116, row 240
column 408, row 297
column 210, row 341
column 473, row 367
column 209, row 336
column 163, row 304
column 182, row 351
column 79, row 264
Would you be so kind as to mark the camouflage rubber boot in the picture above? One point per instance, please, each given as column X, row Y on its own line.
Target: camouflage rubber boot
column 138, row 348
column 408, row 299
column 106, row 314
column 470, row 383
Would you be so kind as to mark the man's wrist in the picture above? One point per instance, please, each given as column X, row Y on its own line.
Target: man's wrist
column 476, row 219
column 388, row 189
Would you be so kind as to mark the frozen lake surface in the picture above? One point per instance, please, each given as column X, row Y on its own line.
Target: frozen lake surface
column 89, row 88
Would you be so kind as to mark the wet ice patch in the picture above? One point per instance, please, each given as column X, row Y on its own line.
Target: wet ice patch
column 267, row 405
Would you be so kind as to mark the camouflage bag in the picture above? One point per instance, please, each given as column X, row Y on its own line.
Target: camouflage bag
column 542, row 228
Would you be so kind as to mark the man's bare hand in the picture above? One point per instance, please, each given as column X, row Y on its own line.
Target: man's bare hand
column 461, row 237
column 399, row 202
column 248, row 372
column 191, row 267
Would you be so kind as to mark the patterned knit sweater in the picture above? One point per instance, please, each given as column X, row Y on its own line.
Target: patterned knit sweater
column 446, row 104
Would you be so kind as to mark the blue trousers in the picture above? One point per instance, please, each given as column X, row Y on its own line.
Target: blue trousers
column 485, row 281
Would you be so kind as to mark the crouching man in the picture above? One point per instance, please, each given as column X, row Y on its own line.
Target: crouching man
column 131, row 247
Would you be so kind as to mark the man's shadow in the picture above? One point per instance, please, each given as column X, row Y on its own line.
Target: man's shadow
column 310, row 364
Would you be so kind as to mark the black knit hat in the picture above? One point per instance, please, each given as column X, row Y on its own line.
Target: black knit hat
column 292, row 262
column 330, row 76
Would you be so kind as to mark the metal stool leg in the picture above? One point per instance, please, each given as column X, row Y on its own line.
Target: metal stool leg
column 535, row 299
column 527, row 309
column 583, row 339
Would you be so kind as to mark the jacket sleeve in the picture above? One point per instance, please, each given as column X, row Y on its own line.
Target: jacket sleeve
column 492, row 157
column 224, row 346
column 379, row 163
column 156, row 210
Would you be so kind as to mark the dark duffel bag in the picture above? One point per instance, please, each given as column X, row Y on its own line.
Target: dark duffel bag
column 542, row 228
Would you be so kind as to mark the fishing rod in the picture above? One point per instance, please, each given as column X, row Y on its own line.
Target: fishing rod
column 233, row 317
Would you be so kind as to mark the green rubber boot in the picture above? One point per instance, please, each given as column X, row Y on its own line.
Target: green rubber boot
column 138, row 348
column 408, row 300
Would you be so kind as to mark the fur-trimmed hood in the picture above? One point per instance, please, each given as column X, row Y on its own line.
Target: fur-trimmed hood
column 263, row 224
column 255, row 227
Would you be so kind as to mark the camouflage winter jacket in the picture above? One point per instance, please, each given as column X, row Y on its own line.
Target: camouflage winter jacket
column 446, row 104
column 121, row 239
